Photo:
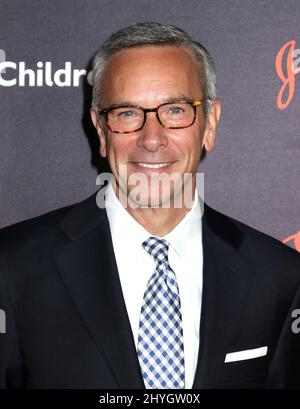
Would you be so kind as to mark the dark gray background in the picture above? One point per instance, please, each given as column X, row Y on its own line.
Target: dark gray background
column 46, row 139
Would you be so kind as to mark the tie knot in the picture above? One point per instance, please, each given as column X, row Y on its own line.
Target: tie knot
column 158, row 249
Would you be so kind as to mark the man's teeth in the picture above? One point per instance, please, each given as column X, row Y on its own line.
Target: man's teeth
column 153, row 165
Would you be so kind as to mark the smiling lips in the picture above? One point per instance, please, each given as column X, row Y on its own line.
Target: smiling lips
column 149, row 167
column 153, row 165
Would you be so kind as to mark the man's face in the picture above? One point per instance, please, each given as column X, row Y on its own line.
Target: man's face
column 148, row 77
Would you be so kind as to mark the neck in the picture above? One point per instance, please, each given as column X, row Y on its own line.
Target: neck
column 159, row 221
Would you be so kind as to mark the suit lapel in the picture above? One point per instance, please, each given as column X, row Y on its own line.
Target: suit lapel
column 226, row 278
column 88, row 269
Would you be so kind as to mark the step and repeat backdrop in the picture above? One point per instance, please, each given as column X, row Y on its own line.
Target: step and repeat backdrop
column 49, row 151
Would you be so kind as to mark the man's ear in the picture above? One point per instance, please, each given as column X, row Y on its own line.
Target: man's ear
column 212, row 121
column 100, row 131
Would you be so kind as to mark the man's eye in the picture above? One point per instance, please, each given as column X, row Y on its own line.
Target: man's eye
column 176, row 110
column 126, row 114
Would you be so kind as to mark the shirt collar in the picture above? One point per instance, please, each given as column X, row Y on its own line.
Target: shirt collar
column 188, row 227
column 122, row 224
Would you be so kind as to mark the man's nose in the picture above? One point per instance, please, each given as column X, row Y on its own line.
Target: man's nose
column 152, row 135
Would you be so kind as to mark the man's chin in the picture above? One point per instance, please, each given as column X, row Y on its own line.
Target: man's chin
column 153, row 200
column 151, row 195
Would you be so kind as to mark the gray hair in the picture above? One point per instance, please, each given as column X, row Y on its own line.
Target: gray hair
column 152, row 33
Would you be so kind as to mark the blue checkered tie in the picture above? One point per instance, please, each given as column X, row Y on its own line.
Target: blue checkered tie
column 160, row 341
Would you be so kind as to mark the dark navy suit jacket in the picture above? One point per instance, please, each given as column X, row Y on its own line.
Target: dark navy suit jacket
column 66, row 319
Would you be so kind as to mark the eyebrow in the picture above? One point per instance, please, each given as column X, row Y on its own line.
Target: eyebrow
column 166, row 101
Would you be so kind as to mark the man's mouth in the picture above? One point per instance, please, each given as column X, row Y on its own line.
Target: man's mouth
column 153, row 165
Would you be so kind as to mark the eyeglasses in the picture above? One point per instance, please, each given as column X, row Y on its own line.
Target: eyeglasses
column 132, row 118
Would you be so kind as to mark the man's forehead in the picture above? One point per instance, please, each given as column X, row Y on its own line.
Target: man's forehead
column 165, row 72
column 149, row 48
column 153, row 57
column 163, row 99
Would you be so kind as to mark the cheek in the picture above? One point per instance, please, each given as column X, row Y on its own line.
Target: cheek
column 193, row 150
column 118, row 148
column 190, row 144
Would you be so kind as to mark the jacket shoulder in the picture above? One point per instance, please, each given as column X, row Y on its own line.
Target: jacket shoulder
column 253, row 243
column 43, row 229
column 33, row 227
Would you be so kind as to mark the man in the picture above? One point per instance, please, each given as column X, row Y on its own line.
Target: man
column 143, row 293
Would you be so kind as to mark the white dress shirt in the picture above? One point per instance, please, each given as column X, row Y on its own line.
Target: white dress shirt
column 135, row 267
